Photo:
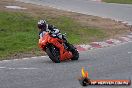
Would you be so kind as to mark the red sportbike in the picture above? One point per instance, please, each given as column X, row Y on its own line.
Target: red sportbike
column 58, row 49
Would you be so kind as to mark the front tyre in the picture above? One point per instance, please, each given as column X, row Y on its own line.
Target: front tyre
column 53, row 53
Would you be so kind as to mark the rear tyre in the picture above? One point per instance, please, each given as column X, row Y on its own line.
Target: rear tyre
column 75, row 55
column 53, row 53
column 74, row 51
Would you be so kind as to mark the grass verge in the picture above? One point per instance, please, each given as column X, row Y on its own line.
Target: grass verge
column 18, row 32
column 119, row 1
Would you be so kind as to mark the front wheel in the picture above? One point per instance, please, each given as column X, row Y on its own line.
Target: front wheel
column 53, row 53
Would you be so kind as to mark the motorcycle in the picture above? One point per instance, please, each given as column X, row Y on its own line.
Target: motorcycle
column 58, row 49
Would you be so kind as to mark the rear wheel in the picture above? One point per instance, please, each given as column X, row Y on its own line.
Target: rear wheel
column 53, row 53
column 75, row 55
column 74, row 51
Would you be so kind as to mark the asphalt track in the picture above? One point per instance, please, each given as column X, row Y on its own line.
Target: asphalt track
column 106, row 63
column 118, row 12
column 113, row 62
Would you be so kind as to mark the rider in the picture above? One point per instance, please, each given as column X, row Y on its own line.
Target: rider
column 43, row 28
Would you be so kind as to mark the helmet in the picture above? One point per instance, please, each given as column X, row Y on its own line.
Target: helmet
column 42, row 24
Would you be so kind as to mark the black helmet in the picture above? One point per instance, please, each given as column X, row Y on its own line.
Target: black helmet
column 42, row 24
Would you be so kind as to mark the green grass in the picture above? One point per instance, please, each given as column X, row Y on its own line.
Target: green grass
column 119, row 1
column 18, row 32
column 75, row 32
